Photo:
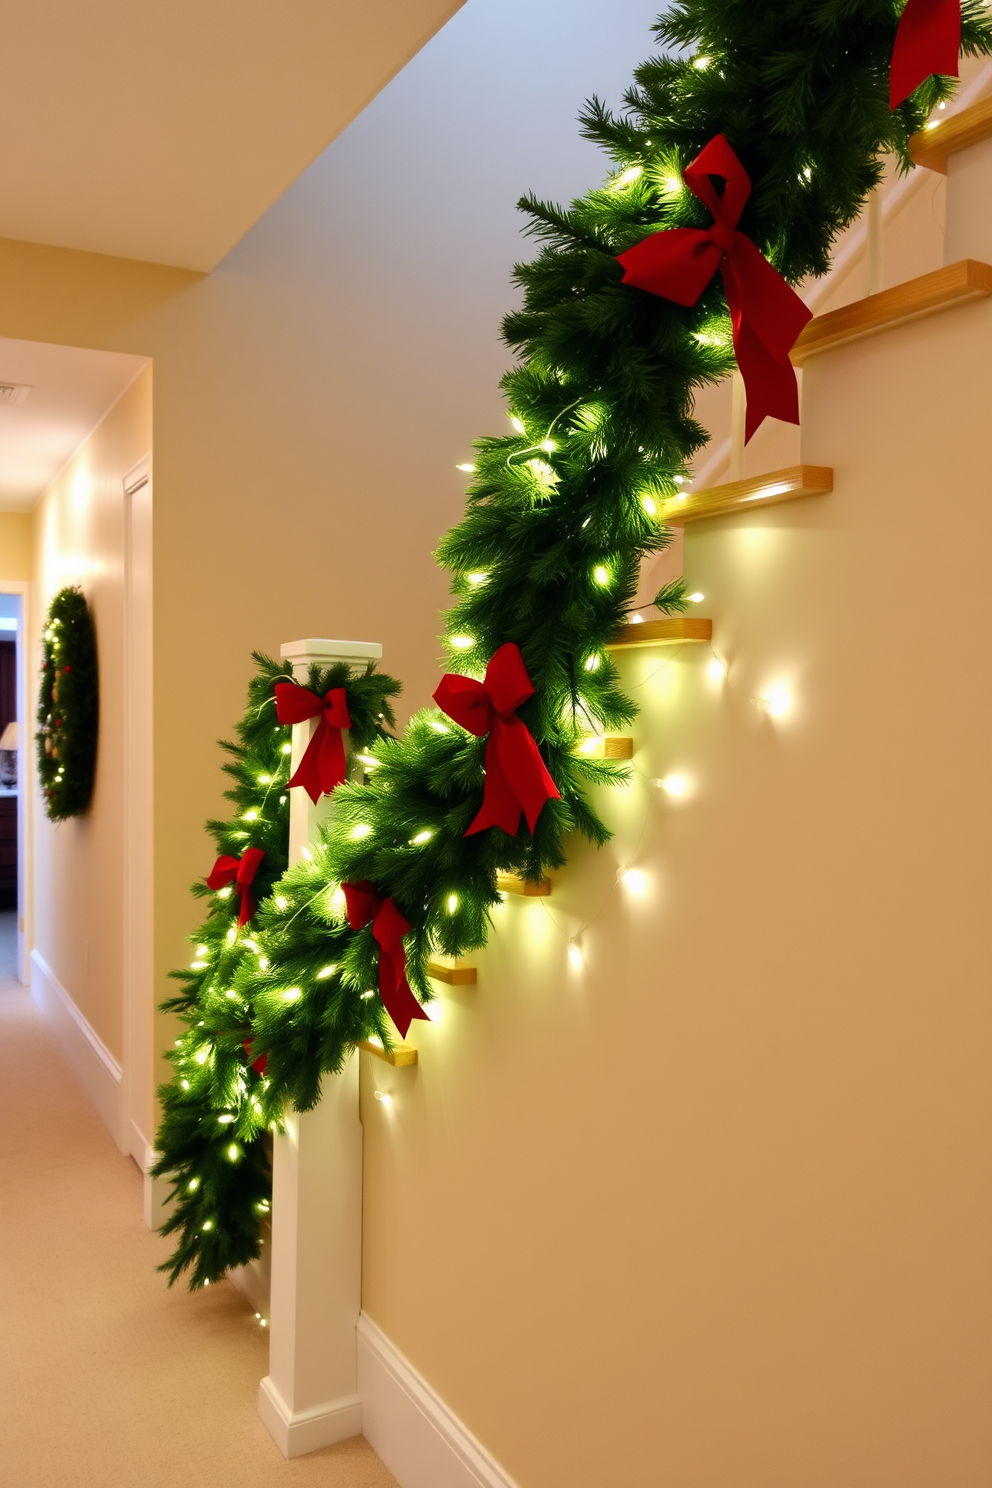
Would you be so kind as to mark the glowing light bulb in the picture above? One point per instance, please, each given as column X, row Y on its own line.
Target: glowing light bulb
column 265, row 779
column 548, row 446
column 326, row 971
column 263, row 1323
column 251, row 815
column 462, row 642
column 202, row 950
column 287, row 749
column 292, row 993
column 673, row 185
column 717, row 670
column 193, row 1185
column 601, row 574
column 281, row 901
column 184, row 1084
column 225, row 893
column 452, row 903
column 468, row 469
column 701, row 62
column 226, row 1119
column 232, row 996
column 633, row 879
column 384, row 1096
column 517, row 424
column 629, row 176
column 673, row 785
column 649, row 505
column 775, row 701
column 369, row 761
column 439, row 728
column 637, row 619
column 592, row 663
column 263, row 964
column 306, row 853
column 696, row 598
column 367, row 995
column 233, row 1152
column 232, row 935
column 575, row 954
column 208, row 1224
column 202, row 1055
column 198, row 966
column 477, row 578
column 361, row 830
column 421, row 838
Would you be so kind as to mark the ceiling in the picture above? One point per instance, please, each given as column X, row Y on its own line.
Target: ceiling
column 69, row 392
column 163, row 130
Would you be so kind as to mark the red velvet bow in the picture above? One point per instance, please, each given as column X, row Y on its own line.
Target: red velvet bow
column 241, row 872
column 766, row 314
column 323, row 766
column 928, row 40
column 366, row 904
column 260, row 1064
column 517, row 778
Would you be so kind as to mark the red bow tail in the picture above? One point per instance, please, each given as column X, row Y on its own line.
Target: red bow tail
column 260, row 1064
column 366, row 905
column 928, row 40
column 766, row 313
column 323, row 766
column 517, row 779
column 241, row 873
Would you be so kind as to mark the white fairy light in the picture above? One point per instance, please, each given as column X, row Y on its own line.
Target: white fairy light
column 696, row 598
column 421, row 838
column 291, row 994
column 517, row 423
column 452, row 903
column 468, row 469
column 361, row 830
column 281, row 901
column 575, row 954
column 462, row 642
column 251, row 815
column 628, row 178
column 326, row 971
column 226, row 1119
column 601, row 574
column 592, row 663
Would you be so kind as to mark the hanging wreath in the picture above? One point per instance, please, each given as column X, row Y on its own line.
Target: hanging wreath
column 68, row 706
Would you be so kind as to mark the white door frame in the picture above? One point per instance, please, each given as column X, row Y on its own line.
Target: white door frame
column 137, row 1093
column 25, row 797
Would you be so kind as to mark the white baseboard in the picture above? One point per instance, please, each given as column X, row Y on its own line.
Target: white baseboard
column 310, row 1430
column 420, row 1440
column 96, row 1067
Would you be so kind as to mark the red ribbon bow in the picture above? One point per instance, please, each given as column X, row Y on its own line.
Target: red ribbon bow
column 928, row 40
column 241, row 872
column 323, row 766
column 260, row 1064
column 366, row 904
column 517, row 778
column 766, row 313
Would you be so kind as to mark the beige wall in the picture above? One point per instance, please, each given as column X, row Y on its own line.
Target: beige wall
column 16, row 551
column 713, row 1209
column 79, row 864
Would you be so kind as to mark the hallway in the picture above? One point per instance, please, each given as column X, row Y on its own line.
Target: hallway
column 107, row 1378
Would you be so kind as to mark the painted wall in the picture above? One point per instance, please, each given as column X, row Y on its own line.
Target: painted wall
column 712, row 1208
column 78, row 864
column 16, row 551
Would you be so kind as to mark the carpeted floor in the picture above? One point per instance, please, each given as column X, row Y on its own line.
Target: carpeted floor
column 107, row 1379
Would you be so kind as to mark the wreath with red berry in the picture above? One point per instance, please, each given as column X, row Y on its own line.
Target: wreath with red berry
column 68, row 706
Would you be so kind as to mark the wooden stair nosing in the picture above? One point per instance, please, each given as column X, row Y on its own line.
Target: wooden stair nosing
column 759, row 490
column 931, row 147
column 672, row 631
column 955, row 284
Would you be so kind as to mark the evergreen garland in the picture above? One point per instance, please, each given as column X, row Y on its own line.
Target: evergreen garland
column 561, row 511
column 212, row 1141
column 68, row 706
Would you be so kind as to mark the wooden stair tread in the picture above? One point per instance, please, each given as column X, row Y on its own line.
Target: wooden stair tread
column 674, row 630
column 931, row 147
column 453, row 976
column 955, row 284
column 757, row 490
column 399, row 1055
column 511, row 883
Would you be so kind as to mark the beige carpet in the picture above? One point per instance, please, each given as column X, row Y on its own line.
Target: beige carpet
column 107, row 1379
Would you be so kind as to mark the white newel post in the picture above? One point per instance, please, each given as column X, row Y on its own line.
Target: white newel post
column 309, row 1398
